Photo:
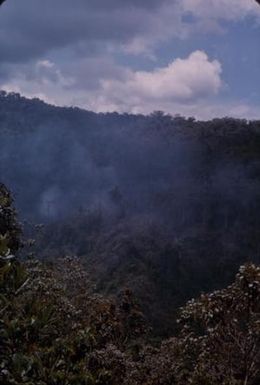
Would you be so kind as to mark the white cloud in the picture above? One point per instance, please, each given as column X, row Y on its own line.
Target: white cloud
column 42, row 79
column 221, row 9
column 191, row 87
column 182, row 81
column 169, row 22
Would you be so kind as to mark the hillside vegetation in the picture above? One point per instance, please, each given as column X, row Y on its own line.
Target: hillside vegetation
column 166, row 206
column 53, row 331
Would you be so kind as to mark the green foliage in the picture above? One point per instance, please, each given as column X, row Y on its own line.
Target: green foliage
column 225, row 327
column 55, row 331
column 218, row 341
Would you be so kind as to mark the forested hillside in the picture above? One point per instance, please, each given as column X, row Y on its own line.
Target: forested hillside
column 166, row 206
column 55, row 331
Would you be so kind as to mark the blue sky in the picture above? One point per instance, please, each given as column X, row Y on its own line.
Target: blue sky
column 191, row 57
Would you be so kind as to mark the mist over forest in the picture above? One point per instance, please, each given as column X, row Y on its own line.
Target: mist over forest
column 168, row 206
column 179, row 172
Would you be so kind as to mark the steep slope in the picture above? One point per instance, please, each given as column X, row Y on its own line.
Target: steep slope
column 164, row 205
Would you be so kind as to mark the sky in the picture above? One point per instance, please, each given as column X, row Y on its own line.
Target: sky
column 197, row 58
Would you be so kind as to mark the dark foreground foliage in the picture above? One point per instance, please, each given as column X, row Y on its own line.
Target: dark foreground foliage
column 53, row 331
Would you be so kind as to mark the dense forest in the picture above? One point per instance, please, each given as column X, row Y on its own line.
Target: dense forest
column 129, row 240
column 54, row 330
column 165, row 206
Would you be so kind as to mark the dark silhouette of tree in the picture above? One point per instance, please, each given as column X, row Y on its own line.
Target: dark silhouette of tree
column 9, row 228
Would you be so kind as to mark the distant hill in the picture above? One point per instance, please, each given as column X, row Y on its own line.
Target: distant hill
column 166, row 205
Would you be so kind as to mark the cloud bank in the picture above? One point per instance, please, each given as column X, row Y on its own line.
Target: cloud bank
column 111, row 54
column 183, row 80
